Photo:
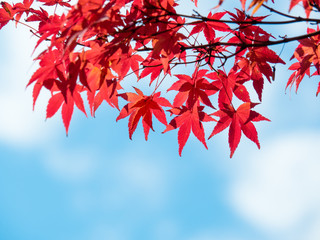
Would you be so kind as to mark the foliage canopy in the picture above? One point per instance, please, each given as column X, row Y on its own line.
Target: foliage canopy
column 94, row 46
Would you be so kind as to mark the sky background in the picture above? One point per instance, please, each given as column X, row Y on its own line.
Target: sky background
column 97, row 184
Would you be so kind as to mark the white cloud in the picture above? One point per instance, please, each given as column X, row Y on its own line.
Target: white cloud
column 277, row 190
column 314, row 231
column 19, row 125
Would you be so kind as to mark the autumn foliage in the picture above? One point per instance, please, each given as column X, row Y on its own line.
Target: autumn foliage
column 94, row 46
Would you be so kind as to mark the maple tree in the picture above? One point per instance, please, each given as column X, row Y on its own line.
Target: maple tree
column 93, row 46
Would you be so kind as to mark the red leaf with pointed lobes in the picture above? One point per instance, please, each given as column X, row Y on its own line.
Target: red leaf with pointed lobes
column 166, row 46
column 247, row 33
column 296, row 78
column 47, row 72
column 6, row 14
column 308, row 55
column 238, row 121
column 220, row 26
column 133, row 63
column 125, row 62
column 209, row 27
column 193, row 89
column 154, row 68
column 38, row 16
column 20, row 8
column 100, row 79
column 23, row 6
column 228, row 85
column 256, row 64
column 51, row 27
column 108, row 92
column 67, row 102
column 142, row 106
column 187, row 120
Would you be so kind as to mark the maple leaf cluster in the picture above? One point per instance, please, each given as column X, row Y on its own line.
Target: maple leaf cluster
column 95, row 45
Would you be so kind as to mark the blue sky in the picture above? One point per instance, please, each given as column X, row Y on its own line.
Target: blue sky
column 97, row 184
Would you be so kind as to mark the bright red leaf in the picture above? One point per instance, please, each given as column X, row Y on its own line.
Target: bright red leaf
column 142, row 106
column 193, row 89
column 6, row 14
column 238, row 121
column 209, row 28
column 189, row 120
column 57, row 100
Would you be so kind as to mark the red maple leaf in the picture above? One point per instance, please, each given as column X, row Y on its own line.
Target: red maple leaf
column 67, row 103
column 130, row 62
column 188, row 120
column 52, row 26
column 247, row 33
column 142, row 106
column 308, row 55
column 152, row 67
column 101, row 85
column 229, row 85
column 300, row 70
column 21, row 8
column 255, row 65
column 46, row 75
column 108, row 92
column 238, row 121
column 38, row 16
column 209, row 27
column 166, row 46
column 193, row 89
column 6, row 14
